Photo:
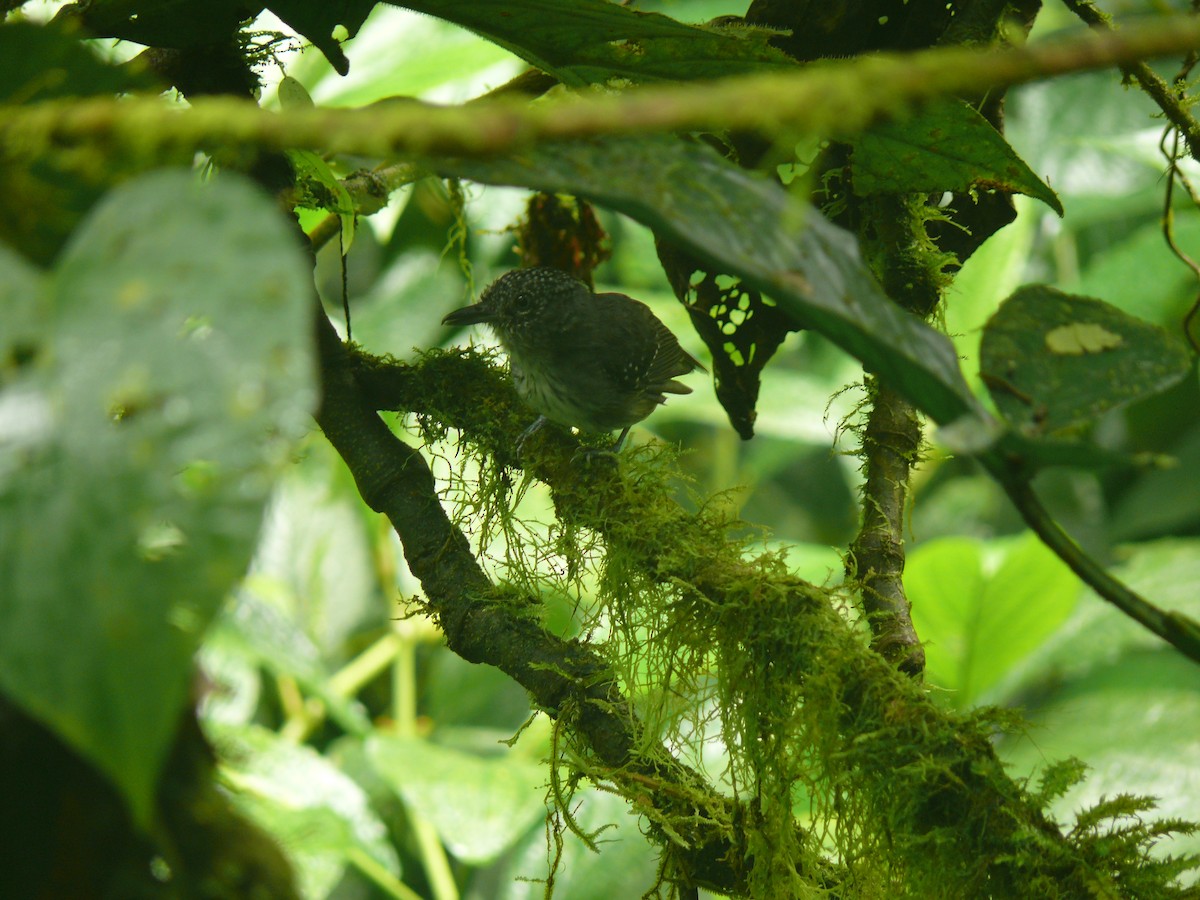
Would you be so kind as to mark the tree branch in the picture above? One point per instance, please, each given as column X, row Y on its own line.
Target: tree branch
column 1154, row 86
column 905, row 768
column 835, row 99
column 485, row 625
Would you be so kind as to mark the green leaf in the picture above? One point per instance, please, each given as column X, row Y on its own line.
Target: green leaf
column 749, row 226
column 947, row 147
column 1133, row 721
column 626, row 866
column 325, row 24
column 585, row 42
column 436, row 54
column 172, row 358
column 981, row 607
column 43, row 62
column 267, row 635
column 1053, row 361
column 1097, row 633
column 479, row 805
column 318, row 814
column 319, row 188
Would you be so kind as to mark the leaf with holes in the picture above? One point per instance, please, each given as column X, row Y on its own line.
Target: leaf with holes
column 747, row 225
column 741, row 328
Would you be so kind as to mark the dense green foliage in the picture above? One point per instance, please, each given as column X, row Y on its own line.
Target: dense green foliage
column 223, row 673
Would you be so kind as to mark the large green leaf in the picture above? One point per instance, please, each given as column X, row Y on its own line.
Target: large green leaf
column 322, row 819
column 947, row 147
column 165, row 361
column 1053, row 361
column 595, row 42
column 479, row 805
column 982, row 607
column 749, row 226
column 1105, row 690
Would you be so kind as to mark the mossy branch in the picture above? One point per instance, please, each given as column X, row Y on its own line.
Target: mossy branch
column 890, row 444
column 563, row 677
column 911, row 790
column 836, row 99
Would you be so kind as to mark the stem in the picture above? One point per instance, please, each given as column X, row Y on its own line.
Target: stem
column 1178, row 630
column 379, row 876
column 890, row 446
column 1157, row 89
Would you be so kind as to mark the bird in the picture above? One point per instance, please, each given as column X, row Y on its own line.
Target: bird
column 592, row 361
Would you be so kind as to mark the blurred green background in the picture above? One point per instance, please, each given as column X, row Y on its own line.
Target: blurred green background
column 387, row 766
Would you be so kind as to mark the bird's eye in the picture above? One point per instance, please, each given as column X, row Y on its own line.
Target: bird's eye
column 522, row 302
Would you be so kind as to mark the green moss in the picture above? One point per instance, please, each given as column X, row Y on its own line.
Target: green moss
column 850, row 782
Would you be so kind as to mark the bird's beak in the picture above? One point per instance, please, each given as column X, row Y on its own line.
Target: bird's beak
column 469, row 315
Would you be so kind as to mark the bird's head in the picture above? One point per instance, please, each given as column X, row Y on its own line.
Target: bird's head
column 526, row 305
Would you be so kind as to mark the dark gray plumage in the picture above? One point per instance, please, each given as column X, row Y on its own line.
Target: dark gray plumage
column 596, row 362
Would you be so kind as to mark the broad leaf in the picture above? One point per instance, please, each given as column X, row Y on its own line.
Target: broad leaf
column 479, row 805
column 320, row 816
column 749, row 226
column 585, row 42
column 948, row 147
column 982, row 607
column 163, row 367
column 1053, row 361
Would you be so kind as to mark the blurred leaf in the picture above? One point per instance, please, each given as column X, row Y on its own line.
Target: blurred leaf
column 460, row 693
column 319, row 815
column 479, row 805
column 1163, row 501
column 435, row 55
column 314, row 562
column 44, row 194
column 626, row 866
column 138, row 452
column 978, row 620
column 267, row 636
column 749, row 226
column 44, row 62
column 1052, row 360
column 1134, row 723
column 1119, row 273
column 1166, row 572
column 947, row 147
column 1071, row 130
column 585, row 42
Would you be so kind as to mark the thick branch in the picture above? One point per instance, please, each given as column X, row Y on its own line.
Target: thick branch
column 836, row 99
column 484, row 625
column 915, row 768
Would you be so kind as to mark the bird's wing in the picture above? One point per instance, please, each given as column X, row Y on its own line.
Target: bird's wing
column 653, row 356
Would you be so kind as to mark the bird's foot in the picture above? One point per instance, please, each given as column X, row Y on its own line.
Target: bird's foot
column 530, row 432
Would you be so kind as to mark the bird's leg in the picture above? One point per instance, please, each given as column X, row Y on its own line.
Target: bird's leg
column 529, row 432
column 616, row 448
column 593, row 454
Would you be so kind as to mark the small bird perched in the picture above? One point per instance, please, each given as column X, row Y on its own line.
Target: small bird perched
column 595, row 362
